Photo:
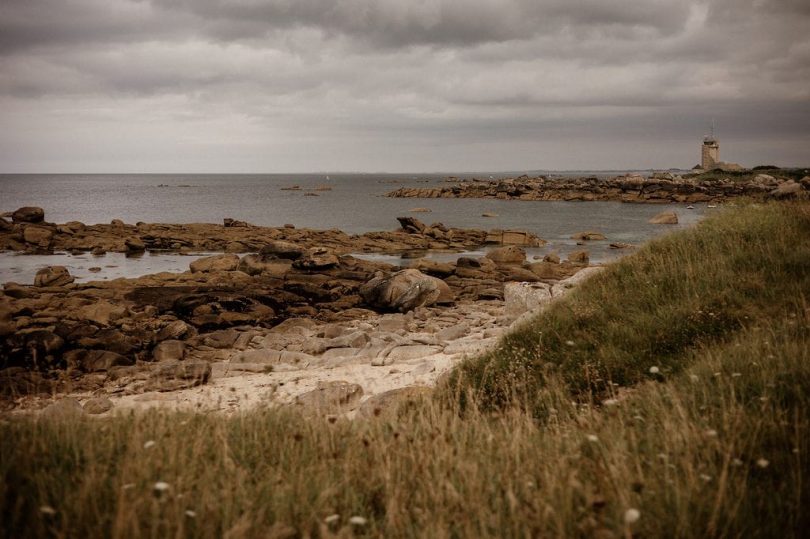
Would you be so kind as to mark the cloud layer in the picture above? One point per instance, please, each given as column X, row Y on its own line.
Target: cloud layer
column 304, row 85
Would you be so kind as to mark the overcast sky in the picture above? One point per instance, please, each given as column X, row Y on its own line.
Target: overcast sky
column 400, row 85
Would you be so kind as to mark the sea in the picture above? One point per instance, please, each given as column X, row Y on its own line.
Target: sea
column 354, row 203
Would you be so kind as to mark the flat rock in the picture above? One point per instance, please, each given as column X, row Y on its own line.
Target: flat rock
column 414, row 351
column 97, row 405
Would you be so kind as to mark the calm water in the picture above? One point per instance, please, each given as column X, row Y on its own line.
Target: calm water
column 355, row 204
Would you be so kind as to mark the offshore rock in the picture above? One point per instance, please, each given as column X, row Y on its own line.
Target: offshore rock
column 53, row 276
column 28, row 214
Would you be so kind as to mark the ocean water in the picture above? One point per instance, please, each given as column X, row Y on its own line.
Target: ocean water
column 355, row 204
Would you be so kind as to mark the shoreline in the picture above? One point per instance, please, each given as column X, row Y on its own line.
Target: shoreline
column 661, row 188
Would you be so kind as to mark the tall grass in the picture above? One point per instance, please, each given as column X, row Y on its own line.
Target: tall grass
column 712, row 445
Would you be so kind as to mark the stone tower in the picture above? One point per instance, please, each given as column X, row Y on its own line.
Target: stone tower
column 710, row 153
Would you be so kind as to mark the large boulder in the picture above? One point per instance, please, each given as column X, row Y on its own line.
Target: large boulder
column 228, row 262
column 53, row 276
column 405, row 290
column 96, row 360
column 38, row 235
column 510, row 254
column 411, row 225
column 788, row 189
column 522, row 297
column 665, row 218
column 28, row 214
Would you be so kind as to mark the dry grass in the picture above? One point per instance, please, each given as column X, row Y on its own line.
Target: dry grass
column 713, row 445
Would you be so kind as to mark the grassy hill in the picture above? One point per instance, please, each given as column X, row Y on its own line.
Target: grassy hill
column 666, row 397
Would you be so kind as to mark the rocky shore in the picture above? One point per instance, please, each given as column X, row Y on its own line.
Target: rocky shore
column 296, row 321
column 662, row 188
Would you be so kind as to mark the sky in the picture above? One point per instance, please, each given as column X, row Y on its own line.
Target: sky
column 400, row 85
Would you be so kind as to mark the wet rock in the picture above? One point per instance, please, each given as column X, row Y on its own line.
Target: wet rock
column 665, row 218
column 53, row 276
column 331, row 397
column 590, row 235
column 411, row 225
column 97, row 405
column 169, row 350
column 405, row 290
column 509, row 254
column 134, row 245
column 226, row 262
column 28, row 214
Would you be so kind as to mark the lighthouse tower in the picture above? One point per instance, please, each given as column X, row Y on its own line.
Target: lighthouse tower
column 710, row 151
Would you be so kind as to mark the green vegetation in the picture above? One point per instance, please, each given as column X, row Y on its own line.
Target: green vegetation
column 531, row 440
column 747, row 175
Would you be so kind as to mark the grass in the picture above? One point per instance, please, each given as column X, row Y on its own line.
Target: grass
column 532, row 440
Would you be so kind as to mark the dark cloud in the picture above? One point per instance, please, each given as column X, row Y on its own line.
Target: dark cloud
column 346, row 82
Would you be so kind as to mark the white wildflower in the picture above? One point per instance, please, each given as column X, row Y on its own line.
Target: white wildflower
column 762, row 463
column 190, row 513
column 47, row 510
column 331, row 519
column 149, row 444
column 569, row 343
column 711, row 433
column 705, row 477
column 610, row 402
column 654, row 370
column 357, row 521
column 736, row 374
column 593, row 438
column 160, row 487
column 631, row 515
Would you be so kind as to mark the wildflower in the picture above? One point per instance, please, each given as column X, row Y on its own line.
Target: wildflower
column 331, row 519
column 631, row 515
column 736, row 374
column 47, row 510
column 592, row 438
column 705, row 477
column 762, row 463
column 569, row 343
column 160, row 487
column 654, row 370
column 694, row 377
column 190, row 513
column 149, row 444
column 357, row 521
column 610, row 402
column 711, row 433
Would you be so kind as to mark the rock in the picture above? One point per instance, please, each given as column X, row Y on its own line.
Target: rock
column 101, row 312
column 665, row 218
column 178, row 375
column 96, row 360
column 412, row 351
column 550, row 271
column 226, row 262
column 169, row 350
column 5, row 226
column 588, row 236
column 510, row 254
column 281, row 249
column 431, row 267
column 786, row 189
column 28, row 214
column 522, row 297
column 514, row 237
column 552, row 258
column 579, row 257
column 258, row 265
column 220, row 339
column 134, row 245
column 38, row 235
column 174, row 330
column 405, row 290
column 392, row 400
column 65, row 408
column 331, row 397
column 316, row 258
column 392, row 323
column 451, row 333
column 233, row 223
column 97, row 405
column 411, row 225
column 53, row 276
